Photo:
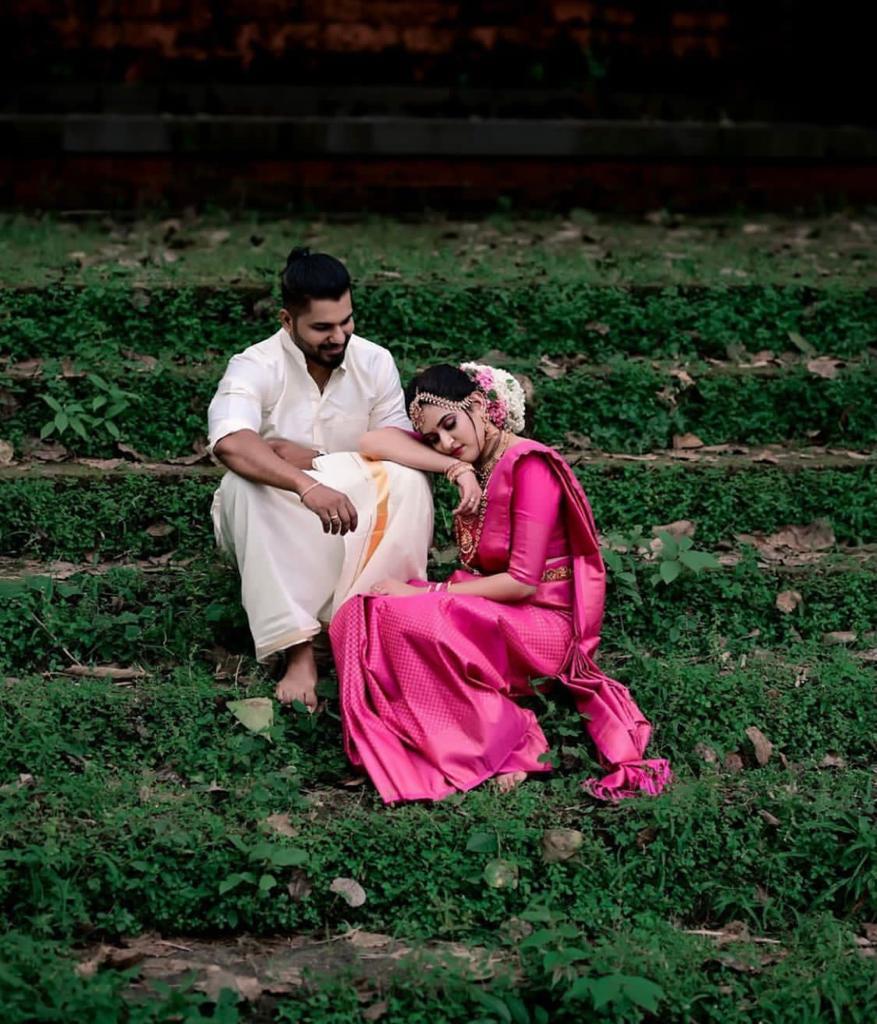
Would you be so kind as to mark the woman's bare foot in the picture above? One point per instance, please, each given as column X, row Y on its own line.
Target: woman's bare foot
column 506, row 782
column 299, row 681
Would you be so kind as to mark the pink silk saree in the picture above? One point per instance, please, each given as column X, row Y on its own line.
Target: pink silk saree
column 427, row 682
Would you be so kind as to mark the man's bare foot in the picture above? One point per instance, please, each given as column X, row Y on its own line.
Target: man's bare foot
column 299, row 681
column 506, row 782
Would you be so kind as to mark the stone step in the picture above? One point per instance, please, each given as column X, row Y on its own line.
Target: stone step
column 115, row 509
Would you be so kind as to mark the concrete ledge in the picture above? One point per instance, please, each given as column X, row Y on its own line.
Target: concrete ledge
column 375, row 137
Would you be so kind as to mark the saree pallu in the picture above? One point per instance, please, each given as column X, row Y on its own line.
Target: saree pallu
column 293, row 575
column 427, row 682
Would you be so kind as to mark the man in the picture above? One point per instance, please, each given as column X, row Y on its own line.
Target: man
column 308, row 521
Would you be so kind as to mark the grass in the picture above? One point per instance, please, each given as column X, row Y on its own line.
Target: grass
column 217, row 249
column 131, row 515
column 147, row 807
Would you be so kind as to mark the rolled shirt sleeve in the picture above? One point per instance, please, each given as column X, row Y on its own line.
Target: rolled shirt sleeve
column 389, row 407
column 239, row 399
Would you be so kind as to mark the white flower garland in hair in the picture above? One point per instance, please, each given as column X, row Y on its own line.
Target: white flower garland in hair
column 506, row 403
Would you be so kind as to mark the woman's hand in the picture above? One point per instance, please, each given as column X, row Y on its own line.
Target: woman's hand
column 470, row 494
column 395, row 588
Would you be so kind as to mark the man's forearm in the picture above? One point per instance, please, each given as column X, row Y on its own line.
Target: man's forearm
column 246, row 453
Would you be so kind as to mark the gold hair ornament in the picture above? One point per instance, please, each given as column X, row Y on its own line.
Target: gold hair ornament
column 415, row 410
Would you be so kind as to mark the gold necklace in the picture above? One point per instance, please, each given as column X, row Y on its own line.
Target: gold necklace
column 468, row 528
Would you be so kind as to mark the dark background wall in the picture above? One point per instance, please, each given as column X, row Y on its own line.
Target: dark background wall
column 305, row 62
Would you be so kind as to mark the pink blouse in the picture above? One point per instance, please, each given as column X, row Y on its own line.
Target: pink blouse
column 539, row 542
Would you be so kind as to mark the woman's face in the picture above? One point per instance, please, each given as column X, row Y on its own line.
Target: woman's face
column 454, row 433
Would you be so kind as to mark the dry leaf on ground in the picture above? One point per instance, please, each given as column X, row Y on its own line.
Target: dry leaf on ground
column 771, row 819
column 159, row 529
column 281, row 824
column 559, row 844
column 788, row 600
column 832, row 761
column 762, row 745
column 299, row 885
column 824, row 366
column 118, row 673
column 840, row 637
column 255, row 713
column 685, row 441
column 368, row 940
column 218, row 978
column 678, row 528
column 7, row 453
column 791, row 540
column 706, row 753
column 49, row 451
column 349, row 890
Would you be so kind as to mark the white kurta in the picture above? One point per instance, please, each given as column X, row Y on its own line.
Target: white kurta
column 294, row 576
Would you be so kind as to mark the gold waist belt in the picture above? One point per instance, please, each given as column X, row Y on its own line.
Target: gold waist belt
column 562, row 572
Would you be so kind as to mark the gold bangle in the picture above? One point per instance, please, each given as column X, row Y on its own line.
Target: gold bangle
column 308, row 490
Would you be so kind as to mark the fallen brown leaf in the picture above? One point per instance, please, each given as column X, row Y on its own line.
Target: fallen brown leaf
column 281, row 824
column 218, row 978
column 126, row 449
column 368, row 940
column 824, row 366
column 559, row 844
column 7, row 453
column 771, row 819
column 216, row 238
column 706, row 753
column 598, row 327
column 376, row 1010
column 762, row 745
column 551, row 369
column 49, row 451
column 832, row 761
column 159, row 529
column 115, row 672
column 102, row 463
column 299, row 886
column 733, row 762
column 815, row 536
column 349, row 890
column 684, row 441
column 678, row 528
column 840, row 637
column 788, row 600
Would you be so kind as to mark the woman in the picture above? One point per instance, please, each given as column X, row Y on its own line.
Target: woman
column 428, row 671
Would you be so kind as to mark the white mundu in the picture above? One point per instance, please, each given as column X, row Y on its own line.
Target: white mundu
column 293, row 575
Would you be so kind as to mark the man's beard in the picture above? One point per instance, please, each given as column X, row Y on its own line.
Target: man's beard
column 330, row 362
column 316, row 353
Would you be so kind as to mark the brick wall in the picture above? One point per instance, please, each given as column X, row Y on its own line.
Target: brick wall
column 475, row 42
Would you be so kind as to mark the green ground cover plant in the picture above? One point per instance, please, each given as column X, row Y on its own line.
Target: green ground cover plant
column 128, row 514
column 216, row 247
column 448, row 320
column 145, row 805
column 132, row 615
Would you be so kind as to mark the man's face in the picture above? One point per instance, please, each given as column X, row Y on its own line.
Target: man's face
column 323, row 330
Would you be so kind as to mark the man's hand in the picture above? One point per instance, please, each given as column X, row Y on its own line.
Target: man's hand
column 336, row 510
column 295, row 454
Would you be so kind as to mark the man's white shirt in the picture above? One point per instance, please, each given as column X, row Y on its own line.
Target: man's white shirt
column 267, row 388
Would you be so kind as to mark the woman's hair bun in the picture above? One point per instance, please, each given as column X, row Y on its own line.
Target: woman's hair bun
column 298, row 253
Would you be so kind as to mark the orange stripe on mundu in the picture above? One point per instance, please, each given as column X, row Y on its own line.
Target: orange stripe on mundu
column 382, row 482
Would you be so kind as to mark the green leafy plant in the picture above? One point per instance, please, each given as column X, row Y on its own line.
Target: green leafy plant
column 89, row 416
